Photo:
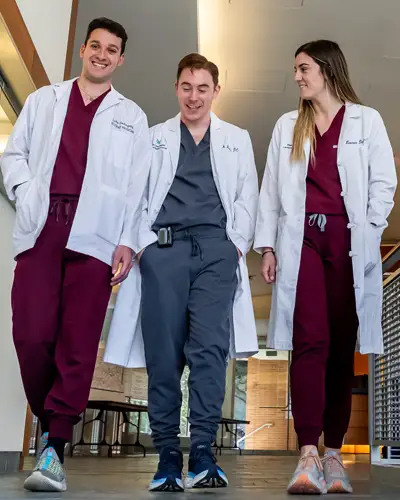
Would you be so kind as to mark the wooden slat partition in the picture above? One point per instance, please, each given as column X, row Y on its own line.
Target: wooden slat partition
column 267, row 386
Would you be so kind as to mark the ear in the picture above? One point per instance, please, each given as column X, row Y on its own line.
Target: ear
column 82, row 50
column 217, row 90
column 121, row 60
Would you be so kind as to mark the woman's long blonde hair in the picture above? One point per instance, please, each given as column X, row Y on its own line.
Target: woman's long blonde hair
column 333, row 65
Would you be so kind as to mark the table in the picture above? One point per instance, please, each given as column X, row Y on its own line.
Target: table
column 225, row 422
column 117, row 407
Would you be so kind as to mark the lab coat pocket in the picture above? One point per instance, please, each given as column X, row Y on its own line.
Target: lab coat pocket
column 27, row 206
column 371, row 247
column 21, row 191
column 111, row 214
column 115, row 176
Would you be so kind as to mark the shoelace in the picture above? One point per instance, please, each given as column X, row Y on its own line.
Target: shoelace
column 304, row 461
column 204, row 455
column 334, row 462
column 49, row 464
column 171, row 463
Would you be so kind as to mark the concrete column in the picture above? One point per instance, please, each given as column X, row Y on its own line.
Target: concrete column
column 13, row 403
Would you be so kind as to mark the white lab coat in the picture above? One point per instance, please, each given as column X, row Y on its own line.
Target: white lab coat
column 235, row 176
column 368, row 178
column 117, row 169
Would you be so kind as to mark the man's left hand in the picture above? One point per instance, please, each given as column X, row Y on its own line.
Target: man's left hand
column 122, row 257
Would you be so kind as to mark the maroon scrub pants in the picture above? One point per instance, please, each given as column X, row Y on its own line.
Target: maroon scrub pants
column 324, row 335
column 59, row 302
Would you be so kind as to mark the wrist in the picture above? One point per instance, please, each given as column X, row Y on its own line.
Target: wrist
column 268, row 250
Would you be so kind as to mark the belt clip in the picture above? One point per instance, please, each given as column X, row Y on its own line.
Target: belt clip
column 164, row 237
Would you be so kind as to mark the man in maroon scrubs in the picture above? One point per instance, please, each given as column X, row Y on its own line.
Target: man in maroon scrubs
column 77, row 164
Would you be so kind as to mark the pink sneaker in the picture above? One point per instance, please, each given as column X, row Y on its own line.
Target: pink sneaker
column 337, row 480
column 308, row 478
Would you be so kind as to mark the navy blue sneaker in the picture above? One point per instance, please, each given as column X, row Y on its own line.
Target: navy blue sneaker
column 203, row 470
column 169, row 473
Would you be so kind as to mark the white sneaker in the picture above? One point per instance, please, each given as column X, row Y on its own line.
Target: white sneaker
column 308, row 478
column 337, row 480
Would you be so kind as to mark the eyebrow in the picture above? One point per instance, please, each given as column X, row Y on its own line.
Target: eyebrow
column 302, row 65
column 110, row 45
column 201, row 85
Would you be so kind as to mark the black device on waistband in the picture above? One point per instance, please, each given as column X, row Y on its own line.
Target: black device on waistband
column 164, row 237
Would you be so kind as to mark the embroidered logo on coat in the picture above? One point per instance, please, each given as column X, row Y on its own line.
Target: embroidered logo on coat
column 123, row 126
column 159, row 144
column 230, row 148
column 360, row 141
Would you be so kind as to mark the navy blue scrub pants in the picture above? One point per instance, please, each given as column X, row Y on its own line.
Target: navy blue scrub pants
column 187, row 297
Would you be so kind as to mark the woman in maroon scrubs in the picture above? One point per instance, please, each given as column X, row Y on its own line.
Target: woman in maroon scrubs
column 327, row 191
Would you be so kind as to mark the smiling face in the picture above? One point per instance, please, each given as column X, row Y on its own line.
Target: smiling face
column 196, row 92
column 309, row 77
column 101, row 55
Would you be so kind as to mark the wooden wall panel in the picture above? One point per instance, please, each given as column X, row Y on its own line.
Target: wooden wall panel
column 107, row 377
column 358, row 428
column 71, row 39
column 267, row 386
column 262, row 306
column 136, row 383
column 23, row 41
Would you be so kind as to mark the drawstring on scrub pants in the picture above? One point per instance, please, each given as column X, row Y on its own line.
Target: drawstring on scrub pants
column 195, row 235
column 196, row 248
column 57, row 206
column 319, row 219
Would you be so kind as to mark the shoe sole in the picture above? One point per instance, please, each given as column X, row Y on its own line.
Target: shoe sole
column 169, row 485
column 303, row 486
column 339, row 487
column 206, row 480
column 38, row 482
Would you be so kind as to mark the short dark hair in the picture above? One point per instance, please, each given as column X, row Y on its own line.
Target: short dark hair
column 197, row 61
column 109, row 25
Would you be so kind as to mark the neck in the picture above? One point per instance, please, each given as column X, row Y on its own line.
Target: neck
column 326, row 105
column 198, row 125
column 94, row 88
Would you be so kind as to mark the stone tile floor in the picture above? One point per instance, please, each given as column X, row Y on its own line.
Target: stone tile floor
column 264, row 477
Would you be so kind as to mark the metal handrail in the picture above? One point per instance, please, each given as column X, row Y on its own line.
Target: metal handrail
column 268, row 424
